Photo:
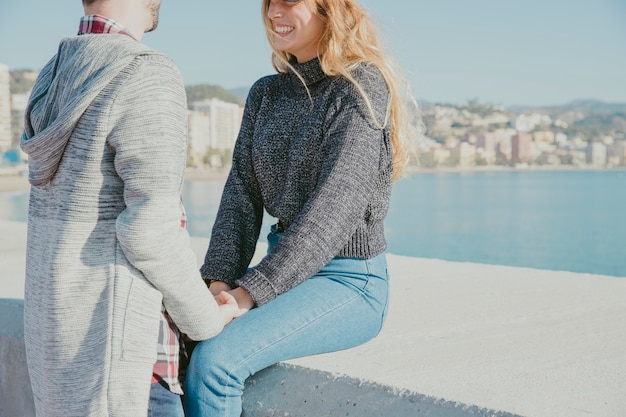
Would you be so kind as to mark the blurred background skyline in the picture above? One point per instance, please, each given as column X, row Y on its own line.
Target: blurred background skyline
column 507, row 53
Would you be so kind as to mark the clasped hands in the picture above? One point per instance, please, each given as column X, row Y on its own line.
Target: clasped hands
column 232, row 303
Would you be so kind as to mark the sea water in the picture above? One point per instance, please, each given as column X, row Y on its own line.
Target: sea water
column 560, row 220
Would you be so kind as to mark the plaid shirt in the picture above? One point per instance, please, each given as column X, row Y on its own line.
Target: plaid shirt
column 170, row 351
column 171, row 354
column 100, row 24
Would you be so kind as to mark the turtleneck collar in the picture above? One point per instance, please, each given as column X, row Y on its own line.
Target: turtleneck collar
column 311, row 71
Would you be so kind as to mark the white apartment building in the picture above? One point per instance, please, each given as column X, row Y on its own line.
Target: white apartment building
column 18, row 108
column 467, row 155
column 596, row 154
column 527, row 122
column 504, row 143
column 442, row 155
column 5, row 108
column 224, row 122
column 199, row 136
column 493, row 118
column 560, row 139
column 620, row 152
column 544, row 136
column 486, row 146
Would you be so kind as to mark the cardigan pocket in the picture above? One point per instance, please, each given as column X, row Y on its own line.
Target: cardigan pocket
column 141, row 322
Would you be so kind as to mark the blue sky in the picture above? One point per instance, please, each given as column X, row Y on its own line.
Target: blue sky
column 531, row 52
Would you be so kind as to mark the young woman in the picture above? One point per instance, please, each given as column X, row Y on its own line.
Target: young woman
column 319, row 147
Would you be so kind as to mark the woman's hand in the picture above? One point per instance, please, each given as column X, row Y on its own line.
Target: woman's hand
column 244, row 301
column 218, row 286
column 224, row 296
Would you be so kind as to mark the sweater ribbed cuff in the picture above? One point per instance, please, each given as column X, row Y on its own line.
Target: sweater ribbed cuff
column 258, row 286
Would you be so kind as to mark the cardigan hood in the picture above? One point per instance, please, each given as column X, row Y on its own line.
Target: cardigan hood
column 83, row 66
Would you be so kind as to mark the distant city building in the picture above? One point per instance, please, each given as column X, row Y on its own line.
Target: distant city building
column 560, row 139
column 608, row 140
column 616, row 153
column 560, row 123
column 224, row 122
column 527, row 122
column 493, row 136
column 620, row 152
column 596, row 154
column 5, row 108
column 426, row 144
column 441, row 156
column 520, row 147
column 491, row 119
column 579, row 143
column 504, row 147
column 486, row 146
column 467, row 155
column 199, row 136
column 452, row 142
column 545, row 136
column 535, row 149
column 578, row 157
column 18, row 108
column 470, row 138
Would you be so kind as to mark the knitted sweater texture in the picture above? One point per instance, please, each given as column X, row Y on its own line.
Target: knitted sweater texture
column 320, row 164
column 105, row 131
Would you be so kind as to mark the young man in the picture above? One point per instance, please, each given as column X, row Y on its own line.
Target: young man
column 105, row 131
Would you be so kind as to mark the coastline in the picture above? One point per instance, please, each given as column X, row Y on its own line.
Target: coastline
column 12, row 183
column 15, row 183
column 502, row 168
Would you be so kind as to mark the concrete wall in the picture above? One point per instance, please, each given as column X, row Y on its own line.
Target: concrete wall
column 16, row 397
column 280, row 390
column 296, row 391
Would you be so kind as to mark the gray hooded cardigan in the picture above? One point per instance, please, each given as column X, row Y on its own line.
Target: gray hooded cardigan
column 105, row 131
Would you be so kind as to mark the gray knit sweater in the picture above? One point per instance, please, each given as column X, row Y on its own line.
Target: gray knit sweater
column 106, row 130
column 319, row 164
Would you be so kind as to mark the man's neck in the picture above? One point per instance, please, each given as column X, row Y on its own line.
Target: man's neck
column 123, row 16
column 95, row 23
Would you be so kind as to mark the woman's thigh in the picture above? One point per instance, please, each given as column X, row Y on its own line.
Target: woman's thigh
column 340, row 307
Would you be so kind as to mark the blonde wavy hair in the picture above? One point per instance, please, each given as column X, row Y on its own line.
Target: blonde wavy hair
column 350, row 39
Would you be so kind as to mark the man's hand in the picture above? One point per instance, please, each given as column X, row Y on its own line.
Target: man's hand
column 228, row 306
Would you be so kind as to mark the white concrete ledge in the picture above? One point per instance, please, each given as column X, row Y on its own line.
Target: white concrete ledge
column 469, row 338
column 281, row 390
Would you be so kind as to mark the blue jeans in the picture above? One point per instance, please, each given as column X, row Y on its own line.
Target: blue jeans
column 164, row 403
column 341, row 306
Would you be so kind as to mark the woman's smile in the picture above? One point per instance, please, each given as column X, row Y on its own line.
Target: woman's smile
column 280, row 29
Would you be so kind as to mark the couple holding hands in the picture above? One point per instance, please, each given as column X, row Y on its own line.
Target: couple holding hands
column 113, row 295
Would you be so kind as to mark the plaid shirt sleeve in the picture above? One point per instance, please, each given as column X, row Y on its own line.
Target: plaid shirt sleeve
column 172, row 357
column 170, row 351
